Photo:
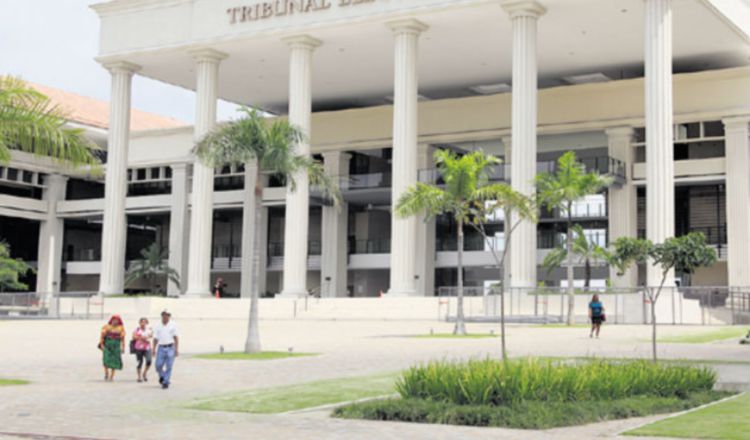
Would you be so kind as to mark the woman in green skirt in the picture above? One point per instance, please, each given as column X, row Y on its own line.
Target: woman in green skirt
column 112, row 344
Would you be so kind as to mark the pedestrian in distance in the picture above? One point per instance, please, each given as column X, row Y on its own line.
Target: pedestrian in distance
column 219, row 288
column 141, row 345
column 112, row 344
column 596, row 315
column 166, row 348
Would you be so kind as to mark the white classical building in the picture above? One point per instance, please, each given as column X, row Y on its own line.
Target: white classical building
column 655, row 93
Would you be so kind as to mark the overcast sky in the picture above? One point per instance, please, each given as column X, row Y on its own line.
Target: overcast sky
column 54, row 42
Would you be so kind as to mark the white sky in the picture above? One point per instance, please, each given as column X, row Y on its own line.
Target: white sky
column 54, row 42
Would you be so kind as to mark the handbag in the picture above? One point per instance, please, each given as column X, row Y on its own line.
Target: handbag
column 132, row 346
column 604, row 317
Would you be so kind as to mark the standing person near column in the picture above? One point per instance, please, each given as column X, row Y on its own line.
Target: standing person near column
column 142, row 344
column 112, row 344
column 166, row 348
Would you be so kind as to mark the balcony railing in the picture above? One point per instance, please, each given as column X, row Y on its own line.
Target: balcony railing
column 376, row 246
column 601, row 164
column 365, row 181
column 276, row 248
column 715, row 235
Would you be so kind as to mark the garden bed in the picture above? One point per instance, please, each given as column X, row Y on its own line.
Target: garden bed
column 534, row 394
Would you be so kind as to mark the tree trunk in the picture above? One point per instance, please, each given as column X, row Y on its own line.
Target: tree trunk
column 460, row 328
column 252, row 344
column 654, row 298
column 571, row 275
column 502, row 291
column 587, row 280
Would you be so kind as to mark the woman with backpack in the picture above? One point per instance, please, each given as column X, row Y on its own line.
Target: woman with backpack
column 596, row 315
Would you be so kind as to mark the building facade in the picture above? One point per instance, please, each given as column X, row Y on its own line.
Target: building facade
column 630, row 85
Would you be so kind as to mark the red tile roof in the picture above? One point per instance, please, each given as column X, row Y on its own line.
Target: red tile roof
column 95, row 113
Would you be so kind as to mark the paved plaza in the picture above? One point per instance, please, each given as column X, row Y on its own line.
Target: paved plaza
column 68, row 399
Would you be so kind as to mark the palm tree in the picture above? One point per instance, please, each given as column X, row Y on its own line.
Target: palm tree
column 265, row 147
column 151, row 265
column 11, row 269
column 29, row 122
column 559, row 190
column 585, row 250
column 464, row 177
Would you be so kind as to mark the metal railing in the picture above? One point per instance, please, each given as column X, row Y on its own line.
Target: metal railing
column 59, row 305
column 376, row 246
column 701, row 305
column 365, row 181
column 601, row 164
column 276, row 248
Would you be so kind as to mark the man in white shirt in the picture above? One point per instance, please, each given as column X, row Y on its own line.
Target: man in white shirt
column 166, row 348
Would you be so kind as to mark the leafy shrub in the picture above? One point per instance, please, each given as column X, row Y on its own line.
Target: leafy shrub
column 524, row 415
column 491, row 382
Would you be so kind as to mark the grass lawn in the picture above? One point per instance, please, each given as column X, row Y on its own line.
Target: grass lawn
column 7, row 382
column 307, row 395
column 724, row 421
column 705, row 337
column 262, row 356
column 452, row 336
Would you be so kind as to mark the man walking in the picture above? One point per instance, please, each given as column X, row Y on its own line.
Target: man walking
column 166, row 348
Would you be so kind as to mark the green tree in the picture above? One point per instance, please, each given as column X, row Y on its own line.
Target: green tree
column 586, row 250
column 265, row 147
column 559, row 190
column 683, row 254
column 11, row 269
column 29, row 122
column 153, row 264
column 517, row 208
column 464, row 177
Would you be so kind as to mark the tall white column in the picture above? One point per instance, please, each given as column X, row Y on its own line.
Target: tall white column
column 524, row 14
column 202, row 209
column 426, row 230
column 298, row 202
column 623, row 202
column 404, row 163
column 737, row 147
column 51, row 232
column 659, row 147
column 179, row 228
column 334, row 228
column 114, row 228
column 508, row 146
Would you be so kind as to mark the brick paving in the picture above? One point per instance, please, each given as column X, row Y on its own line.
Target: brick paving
column 68, row 400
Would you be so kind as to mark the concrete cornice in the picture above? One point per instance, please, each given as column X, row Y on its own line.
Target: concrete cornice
column 120, row 6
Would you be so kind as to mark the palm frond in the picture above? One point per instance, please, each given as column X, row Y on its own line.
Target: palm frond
column 29, row 122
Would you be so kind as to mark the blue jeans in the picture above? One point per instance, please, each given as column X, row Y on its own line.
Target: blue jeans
column 164, row 361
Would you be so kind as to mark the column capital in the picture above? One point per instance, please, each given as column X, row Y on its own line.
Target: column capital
column 120, row 67
column 207, row 55
column 179, row 166
column 613, row 132
column 736, row 123
column 336, row 154
column 408, row 26
column 524, row 8
column 302, row 42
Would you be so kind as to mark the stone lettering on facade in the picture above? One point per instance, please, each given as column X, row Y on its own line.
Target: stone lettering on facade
column 279, row 8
